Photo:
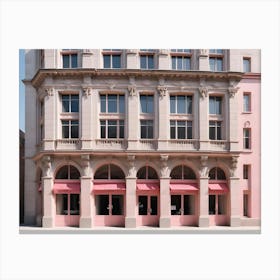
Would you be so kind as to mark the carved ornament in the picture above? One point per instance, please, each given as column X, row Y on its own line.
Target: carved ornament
column 203, row 91
column 86, row 91
column 162, row 91
column 232, row 91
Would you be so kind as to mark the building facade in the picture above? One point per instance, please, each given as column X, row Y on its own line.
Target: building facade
column 142, row 137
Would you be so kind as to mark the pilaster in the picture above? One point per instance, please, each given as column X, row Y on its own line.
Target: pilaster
column 203, row 60
column 163, row 60
column 203, row 194
column 131, row 59
column 235, row 202
column 87, row 58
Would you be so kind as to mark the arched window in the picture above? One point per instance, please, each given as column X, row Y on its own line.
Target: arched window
column 182, row 172
column 147, row 172
column 68, row 172
column 109, row 171
column 217, row 173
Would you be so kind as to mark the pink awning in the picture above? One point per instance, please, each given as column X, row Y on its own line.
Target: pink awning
column 40, row 188
column 218, row 187
column 183, row 187
column 147, row 186
column 109, row 187
column 66, row 188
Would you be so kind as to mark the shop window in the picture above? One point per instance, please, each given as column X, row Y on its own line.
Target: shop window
column 147, row 103
column 108, row 204
column 68, row 204
column 217, row 204
column 245, row 205
column 182, row 204
column 176, row 205
column 108, row 172
column 147, row 205
column 217, row 173
column 147, row 172
column 70, row 103
column 182, row 172
column 68, row 172
column 180, row 104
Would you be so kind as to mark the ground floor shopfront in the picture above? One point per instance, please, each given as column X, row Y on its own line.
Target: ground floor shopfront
column 111, row 197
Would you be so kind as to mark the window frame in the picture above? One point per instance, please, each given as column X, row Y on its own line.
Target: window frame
column 217, row 204
column 246, row 171
column 217, row 103
column 188, row 100
column 248, row 66
column 70, row 125
column 120, row 98
column 70, row 100
column 247, row 108
column 247, row 139
column 70, row 53
column 216, row 127
column 112, row 53
column 147, row 96
column 148, row 126
column 176, row 129
column 107, row 126
column 145, row 60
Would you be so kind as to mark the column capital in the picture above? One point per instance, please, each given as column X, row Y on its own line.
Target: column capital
column 203, row 91
column 162, row 90
column 87, row 91
column 232, row 91
column 203, row 52
column 131, row 90
column 49, row 90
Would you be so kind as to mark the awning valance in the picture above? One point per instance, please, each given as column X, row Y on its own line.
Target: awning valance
column 109, row 187
column 183, row 187
column 218, row 187
column 67, row 188
column 147, row 186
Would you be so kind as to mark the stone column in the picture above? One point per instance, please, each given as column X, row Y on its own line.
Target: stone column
column 203, row 194
column 203, row 60
column 48, row 196
column 49, row 118
column 165, row 203
column 233, row 119
column 203, row 118
column 132, row 116
column 163, row 117
column 86, row 199
column 87, row 58
column 131, row 59
column 86, row 116
column 131, row 205
column 235, row 195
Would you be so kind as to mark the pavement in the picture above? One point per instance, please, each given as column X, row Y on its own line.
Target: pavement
column 140, row 230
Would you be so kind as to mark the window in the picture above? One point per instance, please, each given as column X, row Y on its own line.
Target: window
column 68, row 172
column 215, row 105
column 70, row 103
column 246, row 171
column 215, row 131
column 246, row 102
column 182, row 205
column 109, row 171
column 68, row 204
column 247, row 138
column 109, row 204
column 70, row 60
column 112, row 60
column 245, row 205
column 181, row 50
column 181, row 104
column 147, row 172
column 181, row 63
column 147, row 103
column 70, row 129
column 112, row 128
column 217, row 173
column 180, row 129
column 246, row 64
column 182, row 172
column 147, row 61
column 112, row 103
column 147, row 129
column 216, row 59
column 217, row 204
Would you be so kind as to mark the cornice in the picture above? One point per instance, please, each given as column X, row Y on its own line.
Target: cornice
column 42, row 74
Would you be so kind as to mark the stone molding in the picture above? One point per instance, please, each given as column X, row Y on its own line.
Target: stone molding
column 87, row 91
column 162, row 90
column 131, row 90
column 232, row 91
column 203, row 91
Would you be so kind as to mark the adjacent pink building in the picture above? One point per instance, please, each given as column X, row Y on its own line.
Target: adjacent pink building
column 142, row 137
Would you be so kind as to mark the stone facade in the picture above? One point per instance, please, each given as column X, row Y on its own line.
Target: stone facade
column 179, row 139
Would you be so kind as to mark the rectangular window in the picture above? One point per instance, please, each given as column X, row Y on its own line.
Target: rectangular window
column 212, row 204
column 246, row 102
column 215, row 105
column 112, row 103
column 246, row 171
column 180, row 104
column 189, row 202
column 176, row 205
column 147, row 129
column 221, row 204
column 112, row 129
column 245, row 205
column 102, row 204
column 180, row 129
column 112, row 61
column 70, row 60
column 215, row 51
column 147, row 62
column 147, row 103
column 181, row 63
column 246, row 64
column 216, row 64
column 70, row 129
column 70, row 103
column 217, row 204
column 247, row 138
column 68, row 204
column 215, row 131
column 117, row 205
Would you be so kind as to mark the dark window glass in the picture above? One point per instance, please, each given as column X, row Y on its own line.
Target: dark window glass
column 219, row 62
column 176, row 173
column 150, row 62
column 245, row 204
column 74, row 172
column 146, row 129
column 143, row 62
column 212, row 204
column 246, row 65
column 112, row 104
column 181, row 104
column 152, row 173
column 103, row 129
column 121, row 127
column 74, row 204
column 147, row 103
column 175, row 204
column 220, row 174
column 188, row 173
column 189, row 104
column 221, row 204
column 219, row 131
column 179, row 63
column 181, row 127
column 117, row 205
column 141, row 174
column 102, row 172
column 187, row 63
column 189, row 129
column 116, row 61
column 142, row 205
column 245, row 171
column 116, row 172
column 172, row 104
column 64, row 204
column 121, row 104
column 154, row 204
column 66, row 61
column 65, row 129
column 112, row 129
column 62, row 173
column 65, row 103
column 212, row 64
column 173, row 62
column 74, row 103
column 107, row 61
column 172, row 130
column 215, row 105
column 74, row 60
column 102, row 204
column 188, row 205
column 74, row 129
column 103, row 103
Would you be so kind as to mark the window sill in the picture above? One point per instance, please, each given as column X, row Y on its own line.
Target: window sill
column 246, row 113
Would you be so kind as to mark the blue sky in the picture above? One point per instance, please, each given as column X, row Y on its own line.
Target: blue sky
column 21, row 91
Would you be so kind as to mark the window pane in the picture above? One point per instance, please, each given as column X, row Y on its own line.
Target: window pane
column 152, row 173
column 116, row 61
column 112, row 129
column 143, row 103
column 174, row 62
column 112, row 104
column 75, row 104
column 150, row 62
column 189, row 130
column 245, row 171
column 220, row 174
column 74, row 172
column 212, row 64
column 219, row 64
column 212, row 204
column 116, row 172
column 189, row 104
column 181, row 132
column 143, row 131
column 176, row 173
column 102, row 172
column 154, row 205
column 188, row 174
column 175, row 204
column 221, row 204
column 219, row 131
column 117, row 205
column 74, row 204
column 212, row 174
column 107, row 61
column 143, row 64
column 65, row 129
column 150, row 131
column 212, row 108
column 150, row 104
column 212, row 135
column 142, row 205
column 75, row 129
column 74, row 60
column 172, row 132
column 181, row 104
column 103, row 129
column 219, row 105
column 102, row 204
column 189, row 207
column 179, row 63
column 246, row 65
column 103, row 103
column 172, row 104
column 62, row 173
column 187, row 63
column 121, row 127
column 141, row 174
column 65, row 103
column 66, row 61
column 121, row 104
column 61, row 204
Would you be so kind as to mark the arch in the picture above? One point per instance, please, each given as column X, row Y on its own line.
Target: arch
column 217, row 173
column 58, row 165
column 109, row 171
column 182, row 172
column 100, row 162
column 67, row 172
column 191, row 164
column 147, row 172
